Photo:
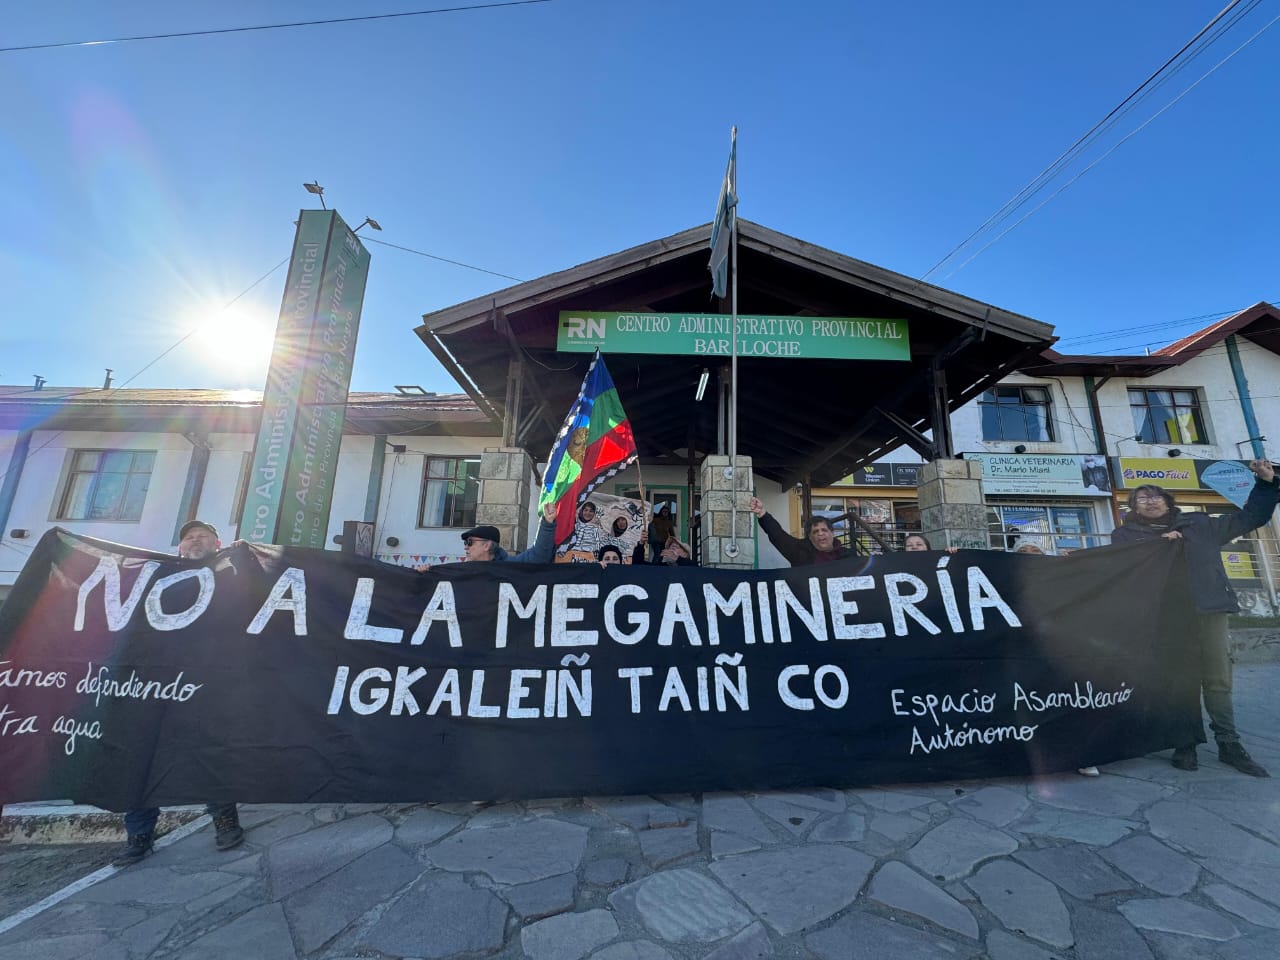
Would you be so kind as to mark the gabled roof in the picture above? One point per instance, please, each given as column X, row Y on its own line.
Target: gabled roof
column 1259, row 324
column 797, row 418
column 225, row 411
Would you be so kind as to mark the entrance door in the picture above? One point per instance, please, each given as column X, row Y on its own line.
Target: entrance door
column 671, row 499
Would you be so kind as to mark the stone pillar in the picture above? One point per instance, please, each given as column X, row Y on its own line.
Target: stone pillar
column 504, row 494
column 719, row 494
column 952, row 511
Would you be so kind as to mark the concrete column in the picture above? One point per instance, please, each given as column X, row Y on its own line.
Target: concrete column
column 504, row 494
column 719, row 494
column 952, row 510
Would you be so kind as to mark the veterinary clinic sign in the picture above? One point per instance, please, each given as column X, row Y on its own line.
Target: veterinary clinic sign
column 711, row 335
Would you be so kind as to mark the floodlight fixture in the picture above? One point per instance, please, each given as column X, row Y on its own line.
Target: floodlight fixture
column 314, row 187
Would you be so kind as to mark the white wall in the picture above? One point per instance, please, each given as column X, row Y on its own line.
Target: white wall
column 1069, row 410
column 400, row 492
column 1220, row 405
column 1262, row 371
column 43, row 477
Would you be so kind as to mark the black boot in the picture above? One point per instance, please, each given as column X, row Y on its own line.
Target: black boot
column 227, row 831
column 1234, row 755
column 139, row 846
column 1184, row 758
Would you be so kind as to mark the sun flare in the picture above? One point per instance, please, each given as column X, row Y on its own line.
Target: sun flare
column 235, row 340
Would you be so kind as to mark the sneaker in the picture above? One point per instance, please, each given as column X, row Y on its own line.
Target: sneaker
column 1184, row 758
column 1234, row 755
column 228, row 833
column 138, row 846
column 1089, row 772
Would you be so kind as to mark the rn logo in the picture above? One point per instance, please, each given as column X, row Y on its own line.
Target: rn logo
column 584, row 328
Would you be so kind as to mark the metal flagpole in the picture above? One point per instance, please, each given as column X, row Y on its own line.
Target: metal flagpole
column 731, row 548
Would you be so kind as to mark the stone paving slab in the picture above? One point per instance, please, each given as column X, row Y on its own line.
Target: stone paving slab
column 515, row 853
column 1023, row 902
column 1152, row 864
column 682, row 906
column 441, row 915
column 1178, row 916
column 1143, row 863
column 861, row 936
column 569, row 936
column 954, row 848
column 899, row 887
column 1101, row 935
column 323, row 910
column 798, row 887
column 1077, row 870
column 304, row 858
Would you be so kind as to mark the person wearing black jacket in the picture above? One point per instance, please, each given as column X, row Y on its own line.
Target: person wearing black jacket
column 1154, row 515
column 819, row 545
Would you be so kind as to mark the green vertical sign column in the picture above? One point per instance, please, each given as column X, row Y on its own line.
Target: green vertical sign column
column 295, row 457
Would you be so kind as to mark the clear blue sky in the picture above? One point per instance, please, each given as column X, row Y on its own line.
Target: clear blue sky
column 146, row 184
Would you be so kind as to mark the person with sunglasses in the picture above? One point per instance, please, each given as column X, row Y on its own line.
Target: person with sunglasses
column 482, row 544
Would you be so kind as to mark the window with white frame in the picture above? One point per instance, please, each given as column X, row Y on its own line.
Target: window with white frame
column 1016, row 413
column 1171, row 415
column 450, row 489
column 106, row 485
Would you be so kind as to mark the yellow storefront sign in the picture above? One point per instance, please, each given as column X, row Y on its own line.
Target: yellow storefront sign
column 1239, row 565
column 1162, row 471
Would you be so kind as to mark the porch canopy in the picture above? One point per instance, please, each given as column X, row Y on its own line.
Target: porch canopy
column 800, row 420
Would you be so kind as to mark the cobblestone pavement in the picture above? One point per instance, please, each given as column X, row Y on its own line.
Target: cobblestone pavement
column 1142, row 862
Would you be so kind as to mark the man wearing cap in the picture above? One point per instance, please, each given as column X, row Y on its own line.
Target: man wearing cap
column 481, row 544
column 197, row 540
column 1153, row 515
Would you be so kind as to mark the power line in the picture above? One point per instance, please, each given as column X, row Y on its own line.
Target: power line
column 432, row 256
column 1150, row 85
column 264, row 26
column 1146, row 123
column 168, row 350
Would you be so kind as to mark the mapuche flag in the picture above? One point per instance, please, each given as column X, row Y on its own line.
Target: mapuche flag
column 594, row 444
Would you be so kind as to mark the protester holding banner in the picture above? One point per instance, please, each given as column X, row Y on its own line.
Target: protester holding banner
column 482, row 543
column 1152, row 515
column 608, row 555
column 819, row 546
column 197, row 540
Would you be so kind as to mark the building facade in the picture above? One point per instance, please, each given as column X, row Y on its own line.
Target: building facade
column 1061, row 441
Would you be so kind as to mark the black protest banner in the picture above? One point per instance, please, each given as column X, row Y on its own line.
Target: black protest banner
column 129, row 678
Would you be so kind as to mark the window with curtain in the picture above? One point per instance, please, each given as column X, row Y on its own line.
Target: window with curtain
column 107, row 485
column 1167, row 416
column 450, row 490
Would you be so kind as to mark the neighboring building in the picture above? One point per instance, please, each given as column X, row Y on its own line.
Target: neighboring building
column 132, row 466
column 1064, row 439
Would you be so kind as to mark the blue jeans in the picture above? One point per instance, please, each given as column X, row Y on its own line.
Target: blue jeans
column 144, row 821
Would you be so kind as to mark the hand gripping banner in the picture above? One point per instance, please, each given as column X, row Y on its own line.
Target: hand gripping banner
column 268, row 674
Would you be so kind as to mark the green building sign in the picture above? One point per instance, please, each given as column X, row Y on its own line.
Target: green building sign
column 711, row 335
column 295, row 457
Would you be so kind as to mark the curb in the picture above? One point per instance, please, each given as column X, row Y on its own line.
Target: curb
column 57, row 823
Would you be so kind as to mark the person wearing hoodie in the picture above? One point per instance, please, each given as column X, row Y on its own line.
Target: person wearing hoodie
column 482, row 543
column 1153, row 515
